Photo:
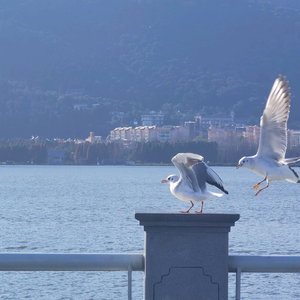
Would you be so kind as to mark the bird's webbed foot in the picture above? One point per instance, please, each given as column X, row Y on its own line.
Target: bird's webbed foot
column 257, row 185
column 200, row 211
column 186, row 212
column 261, row 189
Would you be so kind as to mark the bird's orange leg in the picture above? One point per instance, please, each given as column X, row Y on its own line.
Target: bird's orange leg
column 256, row 186
column 200, row 211
column 261, row 189
column 186, row 212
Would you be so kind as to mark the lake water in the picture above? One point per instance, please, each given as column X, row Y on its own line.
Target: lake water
column 90, row 209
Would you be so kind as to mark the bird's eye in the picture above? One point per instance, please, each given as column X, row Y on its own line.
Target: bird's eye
column 243, row 161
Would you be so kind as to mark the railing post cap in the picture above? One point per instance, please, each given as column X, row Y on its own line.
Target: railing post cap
column 211, row 218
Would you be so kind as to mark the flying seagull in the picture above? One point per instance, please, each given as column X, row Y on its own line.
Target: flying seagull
column 269, row 161
column 191, row 185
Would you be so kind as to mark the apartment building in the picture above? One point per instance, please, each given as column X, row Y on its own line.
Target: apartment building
column 295, row 138
column 220, row 135
column 154, row 119
column 152, row 133
column 203, row 123
column 252, row 134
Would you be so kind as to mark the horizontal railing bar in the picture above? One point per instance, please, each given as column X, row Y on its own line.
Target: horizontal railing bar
column 70, row 262
column 264, row 264
column 120, row 262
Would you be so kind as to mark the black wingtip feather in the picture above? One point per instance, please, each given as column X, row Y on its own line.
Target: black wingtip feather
column 221, row 187
column 294, row 173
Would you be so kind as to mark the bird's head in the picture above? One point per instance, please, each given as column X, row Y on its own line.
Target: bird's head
column 170, row 179
column 245, row 162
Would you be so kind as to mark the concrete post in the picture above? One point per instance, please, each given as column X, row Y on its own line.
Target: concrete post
column 186, row 255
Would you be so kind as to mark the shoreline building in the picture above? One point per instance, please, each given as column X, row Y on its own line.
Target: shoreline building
column 153, row 133
column 252, row 134
column 295, row 138
column 203, row 123
column 154, row 119
column 220, row 135
column 94, row 139
column 55, row 157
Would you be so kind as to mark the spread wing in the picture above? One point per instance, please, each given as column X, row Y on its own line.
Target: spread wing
column 205, row 174
column 273, row 136
column 184, row 163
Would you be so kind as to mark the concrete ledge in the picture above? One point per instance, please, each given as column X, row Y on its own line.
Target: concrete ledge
column 210, row 219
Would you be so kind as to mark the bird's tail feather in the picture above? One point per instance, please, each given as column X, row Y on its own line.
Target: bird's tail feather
column 216, row 194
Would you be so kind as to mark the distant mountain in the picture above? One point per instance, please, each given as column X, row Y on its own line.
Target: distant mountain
column 177, row 56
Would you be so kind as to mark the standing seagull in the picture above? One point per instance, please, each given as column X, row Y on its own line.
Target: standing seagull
column 191, row 185
column 269, row 161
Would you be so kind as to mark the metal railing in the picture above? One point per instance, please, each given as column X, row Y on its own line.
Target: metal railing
column 73, row 262
column 135, row 262
column 261, row 264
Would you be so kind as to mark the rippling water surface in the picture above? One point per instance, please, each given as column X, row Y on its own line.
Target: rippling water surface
column 90, row 209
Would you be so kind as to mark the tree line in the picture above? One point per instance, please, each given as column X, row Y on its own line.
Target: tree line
column 35, row 151
column 36, row 154
column 150, row 152
column 24, row 151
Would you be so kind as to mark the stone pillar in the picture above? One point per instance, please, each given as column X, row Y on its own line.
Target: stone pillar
column 186, row 255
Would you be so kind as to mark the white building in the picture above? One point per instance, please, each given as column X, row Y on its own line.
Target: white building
column 295, row 138
column 152, row 133
column 154, row 119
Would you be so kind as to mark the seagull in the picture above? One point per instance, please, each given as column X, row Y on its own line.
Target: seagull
column 269, row 161
column 191, row 185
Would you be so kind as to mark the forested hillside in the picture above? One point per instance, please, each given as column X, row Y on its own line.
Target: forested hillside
column 132, row 56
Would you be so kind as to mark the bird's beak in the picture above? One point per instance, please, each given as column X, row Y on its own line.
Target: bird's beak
column 238, row 166
column 164, row 181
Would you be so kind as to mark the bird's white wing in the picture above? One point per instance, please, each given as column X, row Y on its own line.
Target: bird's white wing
column 273, row 136
column 184, row 163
